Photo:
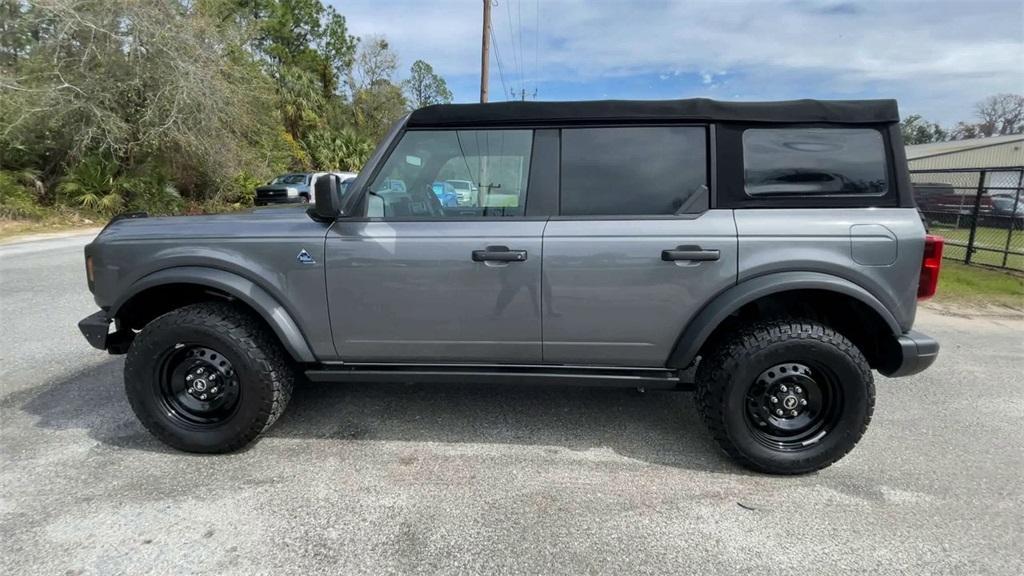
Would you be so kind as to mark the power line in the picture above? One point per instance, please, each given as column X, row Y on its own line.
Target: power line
column 519, row 24
column 497, row 59
column 536, row 49
column 512, row 40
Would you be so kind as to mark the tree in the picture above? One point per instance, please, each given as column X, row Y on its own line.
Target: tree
column 303, row 34
column 376, row 101
column 141, row 83
column 164, row 105
column 338, row 150
column 424, row 87
column 998, row 115
column 966, row 131
column 917, row 130
column 15, row 38
column 1001, row 114
column 374, row 64
column 376, row 108
column 301, row 100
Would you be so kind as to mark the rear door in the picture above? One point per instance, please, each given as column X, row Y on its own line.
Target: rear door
column 422, row 280
column 635, row 251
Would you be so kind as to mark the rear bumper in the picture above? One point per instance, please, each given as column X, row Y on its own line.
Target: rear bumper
column 96, row 329
column 918, row 353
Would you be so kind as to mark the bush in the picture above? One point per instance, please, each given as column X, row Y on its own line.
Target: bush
column 338, row 150
column 241, row 191
column 152, row 193
column 90, row 184
column 18, row 200
column 95, row 185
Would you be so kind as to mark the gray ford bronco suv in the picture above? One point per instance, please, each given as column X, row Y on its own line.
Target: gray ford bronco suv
column 774, row 246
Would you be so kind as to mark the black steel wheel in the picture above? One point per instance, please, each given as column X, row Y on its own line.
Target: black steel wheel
column 207, row 377
column 785, row 396
column 198, row 386
column 791, row 406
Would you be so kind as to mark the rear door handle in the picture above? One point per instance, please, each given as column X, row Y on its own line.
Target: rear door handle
column 499, row 254
column 692, row 253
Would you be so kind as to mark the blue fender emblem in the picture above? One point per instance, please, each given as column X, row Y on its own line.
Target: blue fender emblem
column 305, row 258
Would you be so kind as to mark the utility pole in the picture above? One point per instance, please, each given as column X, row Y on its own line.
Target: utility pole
column 485, row 48
column 485, row 63
column 521, row 94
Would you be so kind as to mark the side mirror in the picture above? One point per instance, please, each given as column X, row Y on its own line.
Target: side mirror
column 326, row 199
column 375, row 206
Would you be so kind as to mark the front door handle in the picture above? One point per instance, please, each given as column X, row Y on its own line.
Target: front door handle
column 692, row 253
column 499, row 254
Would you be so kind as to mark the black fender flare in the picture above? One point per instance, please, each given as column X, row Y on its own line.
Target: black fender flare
column 726, row 303
column 275, row 315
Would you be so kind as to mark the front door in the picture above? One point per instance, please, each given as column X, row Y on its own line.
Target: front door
column 635, row 251
column 433, row 277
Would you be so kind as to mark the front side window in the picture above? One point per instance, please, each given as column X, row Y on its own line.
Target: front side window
column 634, row 171
column 454, row 173
column 814, row 162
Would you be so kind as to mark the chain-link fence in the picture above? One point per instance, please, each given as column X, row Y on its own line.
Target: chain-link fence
column 979, row 211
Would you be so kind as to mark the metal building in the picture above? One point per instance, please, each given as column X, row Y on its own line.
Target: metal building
column 970, row 192
column 995, row 152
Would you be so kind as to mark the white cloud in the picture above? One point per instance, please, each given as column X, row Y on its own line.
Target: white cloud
column 937, row 57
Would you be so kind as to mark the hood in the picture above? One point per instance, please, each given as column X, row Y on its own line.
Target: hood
column 281, row 187
column 288, row 222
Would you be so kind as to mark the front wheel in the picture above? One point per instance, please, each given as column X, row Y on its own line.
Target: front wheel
column 785, row 396
column 207, row 377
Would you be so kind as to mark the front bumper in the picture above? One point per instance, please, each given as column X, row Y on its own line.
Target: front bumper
column 96, row 329
column 918, row 352
column 278, row 200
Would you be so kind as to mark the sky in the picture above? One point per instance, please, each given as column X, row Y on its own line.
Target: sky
column 938, row 58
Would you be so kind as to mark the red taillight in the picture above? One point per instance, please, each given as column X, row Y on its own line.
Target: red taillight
column 930, row 265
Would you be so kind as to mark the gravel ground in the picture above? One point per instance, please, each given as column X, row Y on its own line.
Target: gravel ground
column 373, row 479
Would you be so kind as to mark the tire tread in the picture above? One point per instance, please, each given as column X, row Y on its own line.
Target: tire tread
column 252, row 339
column 732, row 350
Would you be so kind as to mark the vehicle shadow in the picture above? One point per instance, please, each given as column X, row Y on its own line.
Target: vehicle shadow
column 659, row 427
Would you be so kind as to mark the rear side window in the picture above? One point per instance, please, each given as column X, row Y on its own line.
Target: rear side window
column 814, row 162
column 633, row 171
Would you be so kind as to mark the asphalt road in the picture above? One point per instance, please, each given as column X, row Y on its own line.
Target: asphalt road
column 371, row 479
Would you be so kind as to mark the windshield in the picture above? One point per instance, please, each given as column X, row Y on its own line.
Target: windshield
column 290, row 179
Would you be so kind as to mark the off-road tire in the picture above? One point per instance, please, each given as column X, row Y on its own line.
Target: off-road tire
column 264, row 375
column 736, row 360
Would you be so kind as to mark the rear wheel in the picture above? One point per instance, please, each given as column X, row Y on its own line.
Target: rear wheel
column 207, row 378
column 786, row 396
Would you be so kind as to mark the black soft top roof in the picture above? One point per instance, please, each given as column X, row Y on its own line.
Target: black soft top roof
column 697, row 109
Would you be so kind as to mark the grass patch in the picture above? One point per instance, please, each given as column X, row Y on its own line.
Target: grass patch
column 14, row 228
column 985, row 237
column 959, row 282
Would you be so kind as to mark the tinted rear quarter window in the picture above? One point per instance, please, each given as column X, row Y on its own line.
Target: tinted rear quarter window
column 634, row 171
column 814, row 162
